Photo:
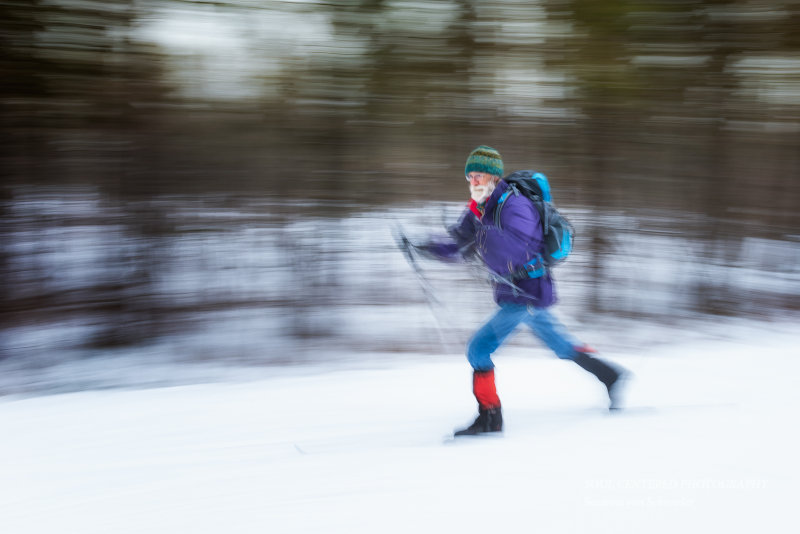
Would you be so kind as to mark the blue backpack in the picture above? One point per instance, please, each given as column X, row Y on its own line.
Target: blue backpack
column 558, row 233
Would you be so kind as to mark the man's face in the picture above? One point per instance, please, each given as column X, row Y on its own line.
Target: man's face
column 481, row 185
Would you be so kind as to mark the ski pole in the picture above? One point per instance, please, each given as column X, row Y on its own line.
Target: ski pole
column 496, row 278
column 407, row 248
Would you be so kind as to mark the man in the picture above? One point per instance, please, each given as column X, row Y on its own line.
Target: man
column 504, row 249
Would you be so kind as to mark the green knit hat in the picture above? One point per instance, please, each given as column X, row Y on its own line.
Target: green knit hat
column 484, row 159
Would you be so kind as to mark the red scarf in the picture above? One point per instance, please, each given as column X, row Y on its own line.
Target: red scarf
column 473, row 207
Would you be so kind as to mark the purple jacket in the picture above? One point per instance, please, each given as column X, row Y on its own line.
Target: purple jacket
column 503, row 249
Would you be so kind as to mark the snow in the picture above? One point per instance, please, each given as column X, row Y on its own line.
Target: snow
column 707, row 445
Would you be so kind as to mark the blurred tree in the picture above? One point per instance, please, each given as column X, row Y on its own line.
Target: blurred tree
column 681, row 105
column 596, row 56
column 77, row 96
column 654, row 76
column 22, row 88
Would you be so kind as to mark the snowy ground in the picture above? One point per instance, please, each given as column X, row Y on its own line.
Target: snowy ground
column 709, row 445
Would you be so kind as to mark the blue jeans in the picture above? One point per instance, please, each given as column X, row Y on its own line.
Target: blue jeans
column 497, row 329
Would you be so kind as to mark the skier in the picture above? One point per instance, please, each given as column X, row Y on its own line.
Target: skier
column 504, row 249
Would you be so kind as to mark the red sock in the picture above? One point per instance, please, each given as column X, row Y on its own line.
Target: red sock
column 484, row 389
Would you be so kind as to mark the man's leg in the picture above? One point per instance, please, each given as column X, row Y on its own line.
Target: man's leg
column 549, row 329
column 553, row 334
column 479, row 353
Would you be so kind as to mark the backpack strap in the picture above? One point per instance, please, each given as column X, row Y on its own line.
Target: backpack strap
column 501, row 201
column 504, row 196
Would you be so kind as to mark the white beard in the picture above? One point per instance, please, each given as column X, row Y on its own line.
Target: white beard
column 479, row 193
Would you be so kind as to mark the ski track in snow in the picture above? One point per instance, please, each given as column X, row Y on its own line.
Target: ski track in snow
column 709, row 445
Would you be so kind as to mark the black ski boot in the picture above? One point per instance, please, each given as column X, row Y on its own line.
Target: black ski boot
column 488, row 420
column 611, row 377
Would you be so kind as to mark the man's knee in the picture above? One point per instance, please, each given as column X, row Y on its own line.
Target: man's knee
column 479, row 353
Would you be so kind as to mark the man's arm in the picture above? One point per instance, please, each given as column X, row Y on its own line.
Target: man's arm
column 458, row 244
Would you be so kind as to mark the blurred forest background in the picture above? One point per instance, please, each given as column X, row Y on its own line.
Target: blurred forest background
column 152, row 148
